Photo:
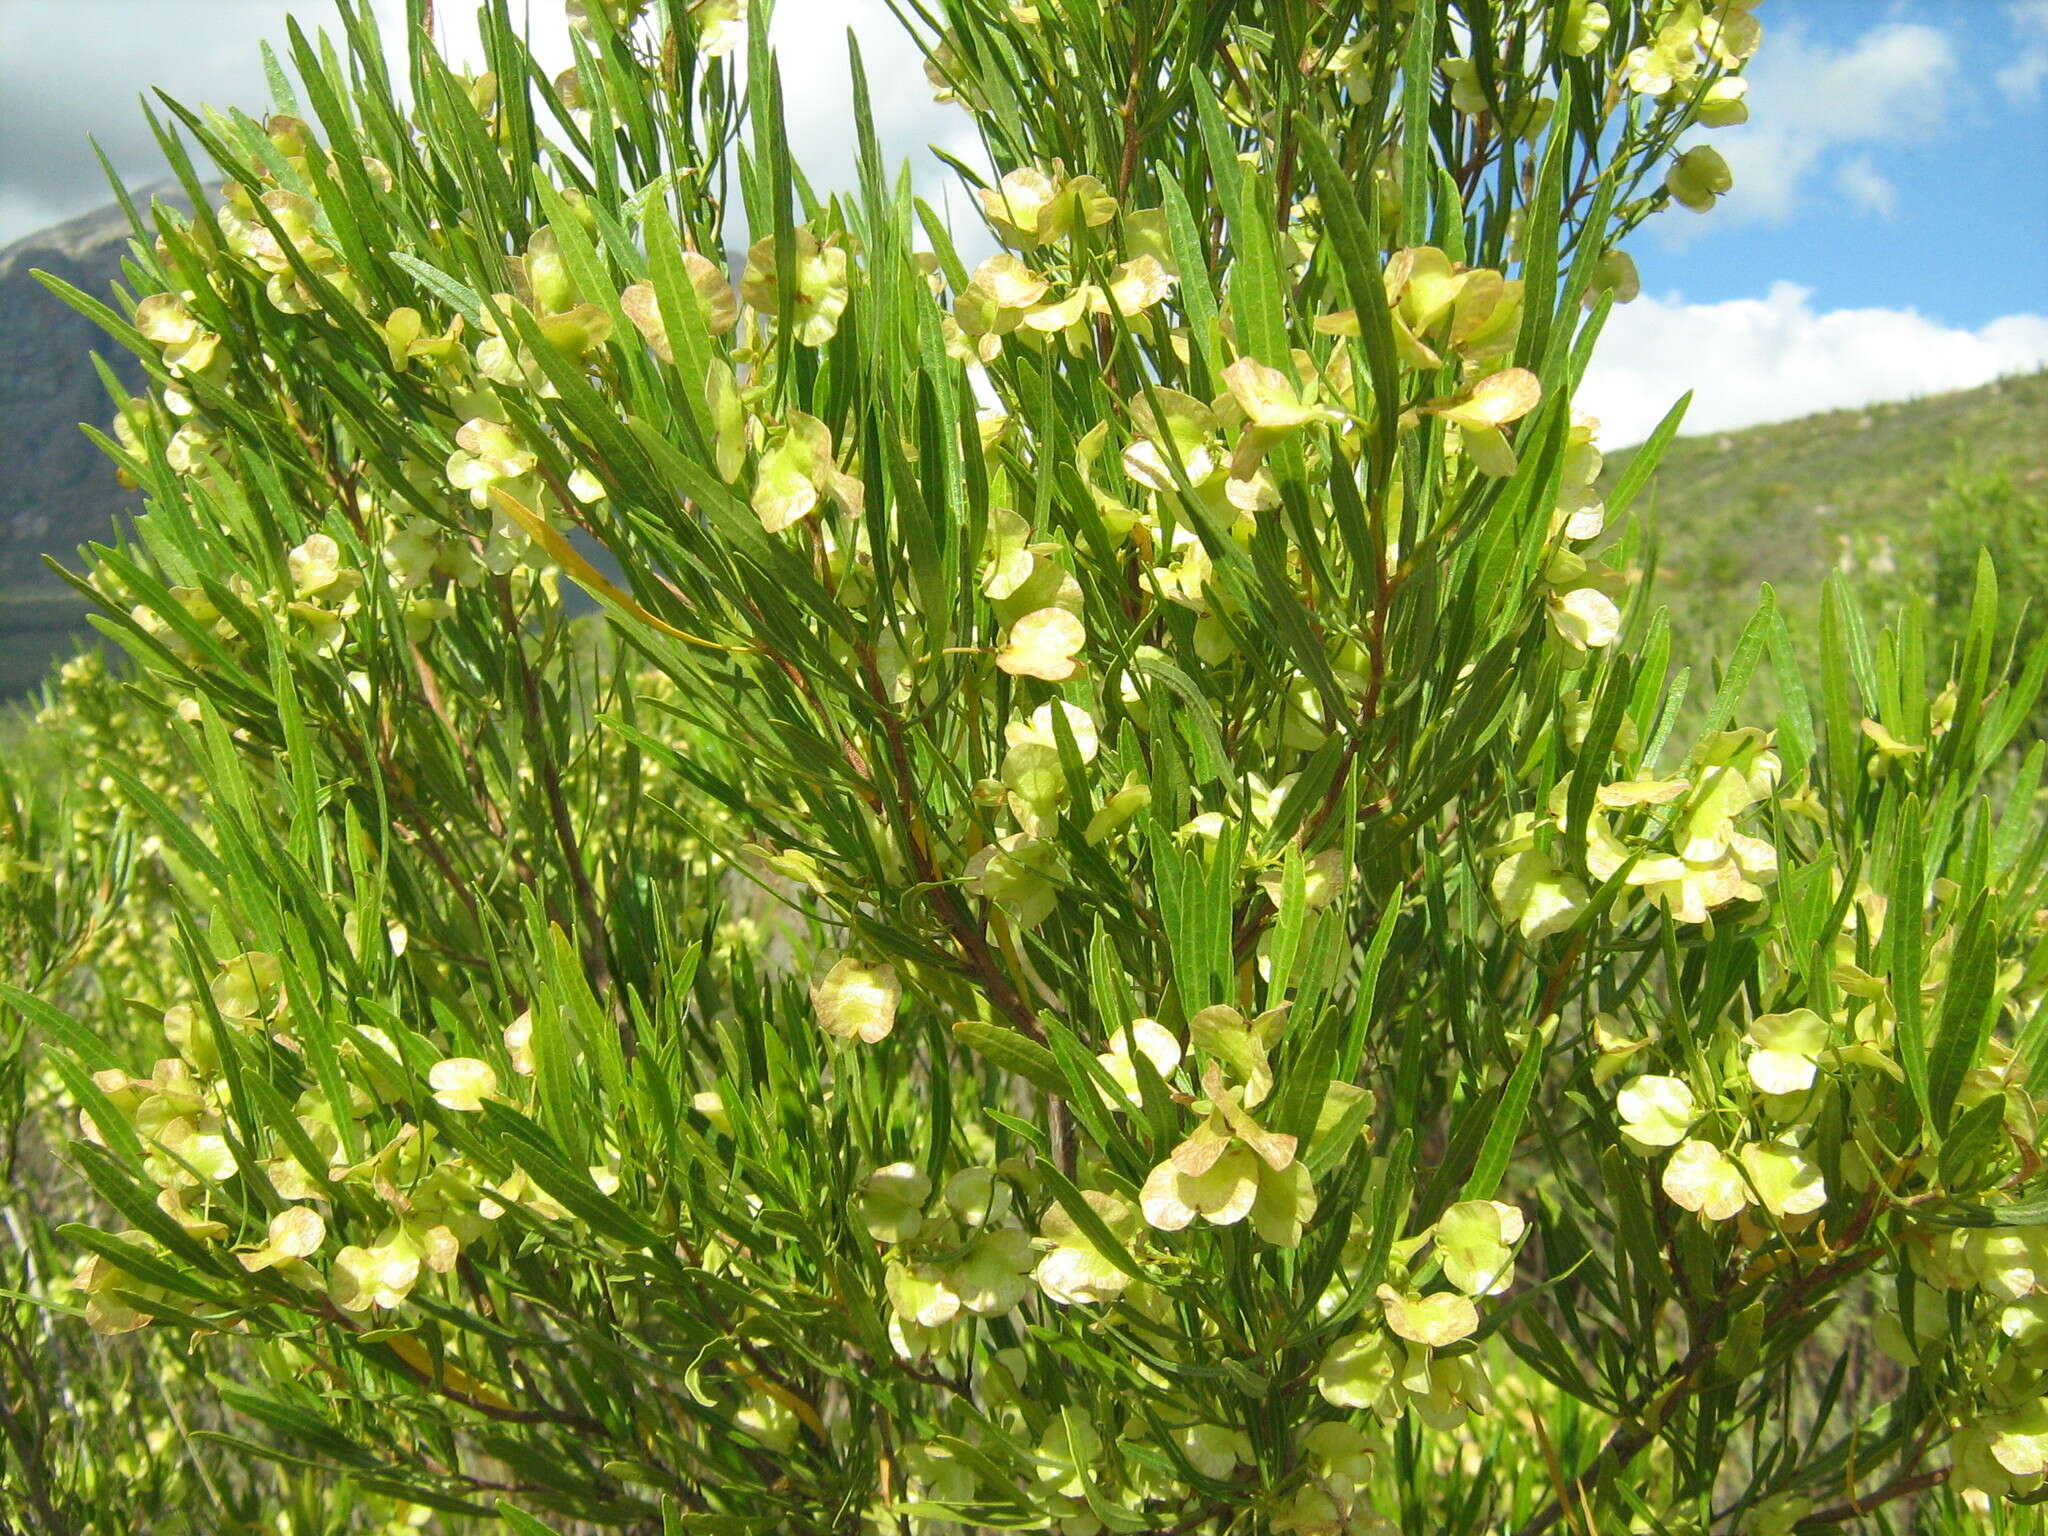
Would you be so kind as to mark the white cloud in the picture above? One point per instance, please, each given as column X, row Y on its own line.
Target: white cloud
column 543, row 23
column 1865, row 186
column 817, row 89
column 810, row 41
column 70, row 69
column 2021, row 79
column 1891, row 85
column 1774, row 358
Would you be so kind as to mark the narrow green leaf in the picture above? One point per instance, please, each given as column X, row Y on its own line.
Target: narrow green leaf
column 1505, row 1126
column 1969, row 1005
column 1013, row 1052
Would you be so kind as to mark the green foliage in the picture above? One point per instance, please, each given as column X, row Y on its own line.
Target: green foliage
column 1982, row 513
column 38, row 626
column 1868, row 492
column 1111, row 931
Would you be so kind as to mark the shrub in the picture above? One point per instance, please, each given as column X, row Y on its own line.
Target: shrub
column 1979, row 512
column 1108, row 931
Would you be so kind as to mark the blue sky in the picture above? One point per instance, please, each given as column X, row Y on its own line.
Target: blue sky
column 1888, row 232
column 1930, row 191
column 1887, row 235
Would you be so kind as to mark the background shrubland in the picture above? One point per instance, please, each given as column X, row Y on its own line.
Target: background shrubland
column 1131, row 917
column 1898, row 497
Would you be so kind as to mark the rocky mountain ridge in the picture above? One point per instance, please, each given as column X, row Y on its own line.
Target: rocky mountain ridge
column 59, row 490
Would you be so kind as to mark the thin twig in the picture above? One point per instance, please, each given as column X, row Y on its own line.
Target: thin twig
column 1857, row 1508
column 594, row 949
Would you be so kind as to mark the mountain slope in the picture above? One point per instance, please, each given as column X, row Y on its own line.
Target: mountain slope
column 1848, row 490
column 58, row 491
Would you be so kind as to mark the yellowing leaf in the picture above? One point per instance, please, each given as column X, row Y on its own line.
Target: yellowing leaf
column 1656, row 1112
column 1268, row 397
column 1495, row 400
column 1009, row 282
column 857, row 1001
column 1042, row 644
column 1222, row 1195
column 462, row 1083
column 1433, row 1321
column 1703, row 1178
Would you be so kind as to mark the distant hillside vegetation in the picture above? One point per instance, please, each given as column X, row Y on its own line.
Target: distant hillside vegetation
column 1886, row 494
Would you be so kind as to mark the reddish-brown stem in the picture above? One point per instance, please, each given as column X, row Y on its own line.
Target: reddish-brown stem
column 1857, row 1508
column 953, row 913
column 430, row 695
column 1628, row 1441
column 590, row 919
column 1128, row 165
